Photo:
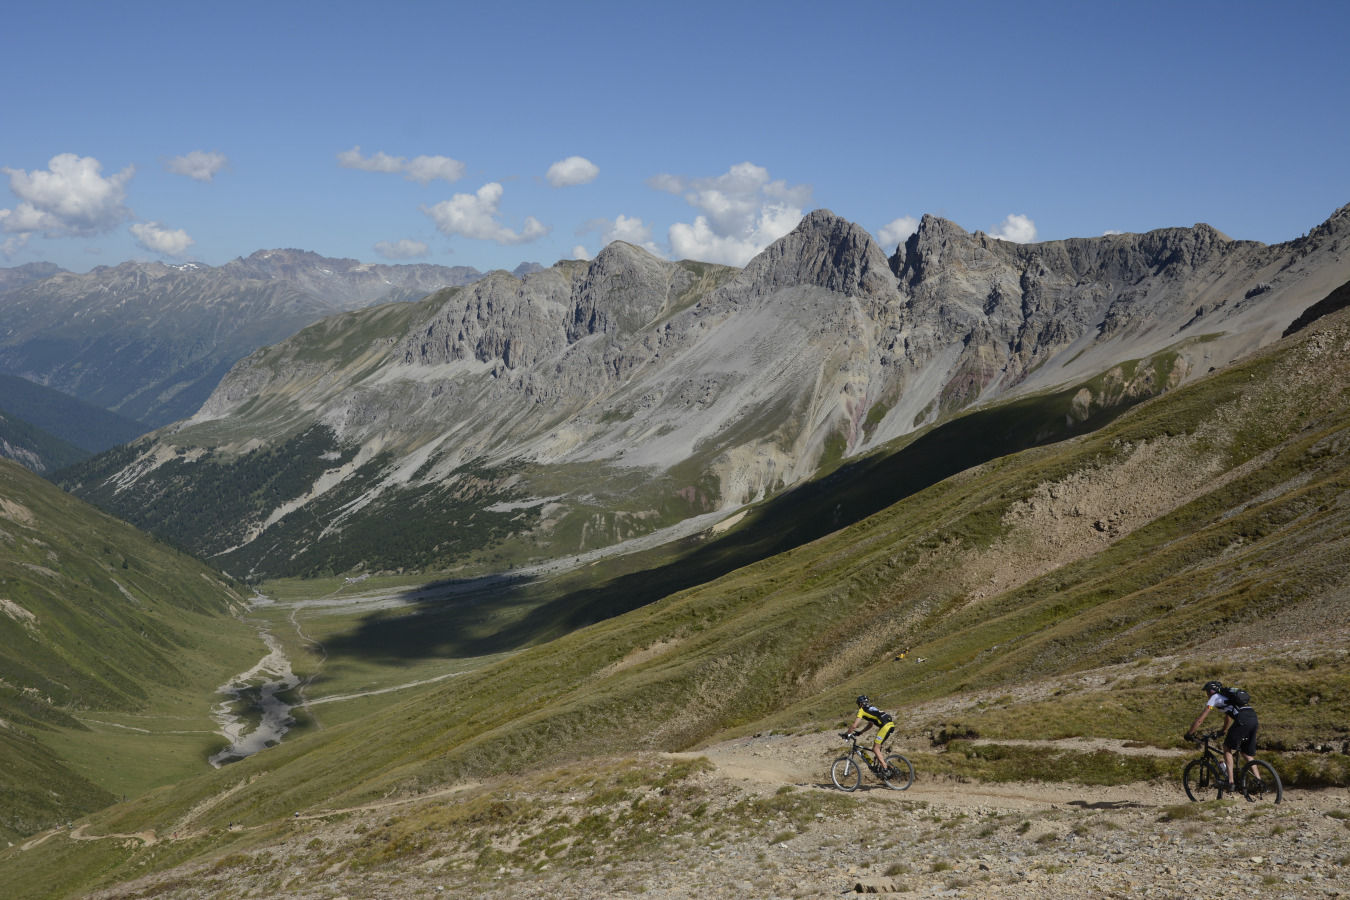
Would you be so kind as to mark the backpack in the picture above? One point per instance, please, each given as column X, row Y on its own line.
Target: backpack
column 1236, row 696
column 885, row 717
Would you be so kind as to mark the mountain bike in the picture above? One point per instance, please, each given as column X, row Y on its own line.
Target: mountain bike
column 846, row 771
column 1206, row 778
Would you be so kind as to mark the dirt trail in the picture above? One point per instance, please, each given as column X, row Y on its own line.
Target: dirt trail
column 804, row 761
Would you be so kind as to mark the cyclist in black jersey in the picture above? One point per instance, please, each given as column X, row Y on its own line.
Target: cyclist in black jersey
column 1240, row 727
column 869, row 715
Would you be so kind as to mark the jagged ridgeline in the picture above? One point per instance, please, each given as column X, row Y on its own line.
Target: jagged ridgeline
column 104, row 632
column 522, row 419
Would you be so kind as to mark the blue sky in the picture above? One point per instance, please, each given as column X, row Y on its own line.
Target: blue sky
column 486, row 135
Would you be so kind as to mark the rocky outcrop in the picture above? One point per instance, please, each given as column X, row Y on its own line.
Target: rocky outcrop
column 823, row 251
column 499, row 319
column 624, row 289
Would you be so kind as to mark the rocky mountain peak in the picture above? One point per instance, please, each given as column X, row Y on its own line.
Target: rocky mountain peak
column 826, row 251
column 935, row 244
column 625, row 287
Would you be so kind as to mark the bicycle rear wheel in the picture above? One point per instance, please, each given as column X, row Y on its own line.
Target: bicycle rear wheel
column 1202, row 780
column 1260, row 781
column 845, row 773
column 904, row 773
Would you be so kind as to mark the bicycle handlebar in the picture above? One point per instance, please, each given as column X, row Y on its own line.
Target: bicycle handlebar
column 1206, row 736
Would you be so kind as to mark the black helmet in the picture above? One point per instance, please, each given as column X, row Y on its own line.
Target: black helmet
column 1213, row 685
column 863, row 701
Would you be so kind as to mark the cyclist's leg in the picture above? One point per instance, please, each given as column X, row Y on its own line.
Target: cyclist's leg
column 883, row 733
column 1247, row 746
column 1230, row 745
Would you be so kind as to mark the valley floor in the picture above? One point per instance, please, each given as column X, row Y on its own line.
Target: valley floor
column 762, row 820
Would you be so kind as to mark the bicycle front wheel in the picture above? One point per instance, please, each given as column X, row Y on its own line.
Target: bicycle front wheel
column 845, row 774
column 1202, row 781
column 904, row 773
column 1260, row 781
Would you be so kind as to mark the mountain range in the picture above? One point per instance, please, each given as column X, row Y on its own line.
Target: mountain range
column 518, row 420
column 149, row 340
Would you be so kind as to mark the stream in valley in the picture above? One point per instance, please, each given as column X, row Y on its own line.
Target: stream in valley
column 249, row 693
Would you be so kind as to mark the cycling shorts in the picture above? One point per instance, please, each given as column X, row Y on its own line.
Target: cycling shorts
column 1241, row 735
column 884, row 732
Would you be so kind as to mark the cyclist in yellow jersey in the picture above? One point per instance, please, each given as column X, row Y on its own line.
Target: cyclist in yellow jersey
column 869, row 715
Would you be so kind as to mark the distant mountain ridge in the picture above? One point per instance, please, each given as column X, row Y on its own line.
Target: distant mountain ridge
column 150, row 340
column 90, row 428
column 33, row 448
column 522, row 419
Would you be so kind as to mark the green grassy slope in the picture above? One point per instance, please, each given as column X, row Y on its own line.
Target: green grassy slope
column 111, row 646
column 1081, row 588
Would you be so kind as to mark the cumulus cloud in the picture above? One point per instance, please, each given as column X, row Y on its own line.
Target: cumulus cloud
column 422, row 169
column 630, row 229
column 572, row 171
column 580, row 252
column 70, row 198
column 1015, row 228
column 158, row 239
column 402, row 249
column 198, row 165
column 379, row 162
column 894, row 233
column 475, row 216
column 741, row 213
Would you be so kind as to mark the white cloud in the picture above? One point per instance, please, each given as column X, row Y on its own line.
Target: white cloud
column 422, row 169
column 70, row 198
column 580, row 252
column 402, row 249
column 894, row 233
column 630, row 229
column 158, row 239
column 380, row 162
column 572, row 171
column 1015, row 228
column 198, row 165
column 475, row 216
column 741, row 213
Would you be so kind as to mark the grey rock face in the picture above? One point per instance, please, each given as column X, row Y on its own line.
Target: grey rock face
column 828, row 252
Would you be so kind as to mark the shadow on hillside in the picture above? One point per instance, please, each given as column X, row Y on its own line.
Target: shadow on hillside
column 462, row 619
